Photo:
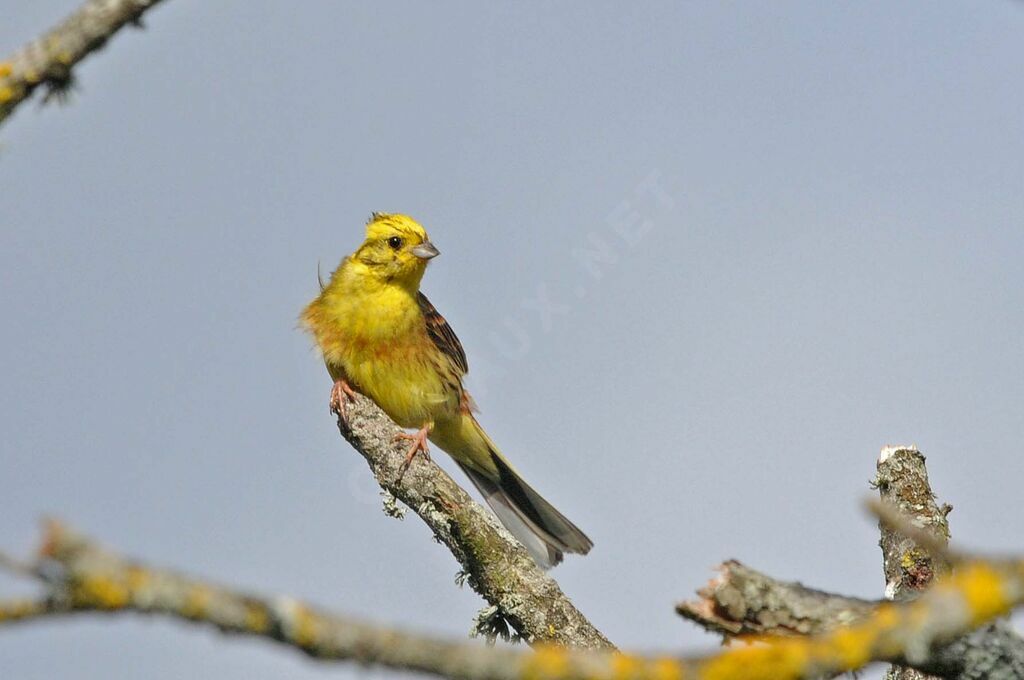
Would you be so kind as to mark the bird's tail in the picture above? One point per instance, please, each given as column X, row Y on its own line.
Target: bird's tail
column 544, row 531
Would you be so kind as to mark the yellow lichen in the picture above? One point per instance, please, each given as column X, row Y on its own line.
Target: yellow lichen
column 32, row 77
column 5, row 69
column 101, row 592
column 625, row 667
column 137, row 578
column 778, row 660
column 196, row 602
column 256, row 618
column 666, row 669
column 6, row 94
column 984, row 590
column 911, row 557
column 304, row 629
column 852, row 646
column 546, row 663
column 887, row 616
column 17, row 610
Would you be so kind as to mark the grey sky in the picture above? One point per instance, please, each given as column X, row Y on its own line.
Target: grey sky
column 837, row 268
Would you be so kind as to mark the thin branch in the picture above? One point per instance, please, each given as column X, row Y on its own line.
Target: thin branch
column 80, row 576
column 495, row 564
column 49, row 60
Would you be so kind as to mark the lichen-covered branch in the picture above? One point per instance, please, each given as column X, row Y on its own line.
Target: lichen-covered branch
column 83, row 577
column 49, row 60
column 495, row 564
column 80, row 576
column 914, row 541
column 743, row 601
column 902, row 482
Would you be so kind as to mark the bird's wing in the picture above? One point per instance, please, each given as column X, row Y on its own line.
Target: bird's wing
column 442, row 334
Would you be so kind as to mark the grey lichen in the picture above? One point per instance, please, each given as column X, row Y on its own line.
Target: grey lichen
column 391, row 506
column 495, row 564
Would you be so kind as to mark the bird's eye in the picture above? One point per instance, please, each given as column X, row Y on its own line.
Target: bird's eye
column 395, row 242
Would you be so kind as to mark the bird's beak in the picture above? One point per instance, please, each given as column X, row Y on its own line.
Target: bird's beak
column 425, row 250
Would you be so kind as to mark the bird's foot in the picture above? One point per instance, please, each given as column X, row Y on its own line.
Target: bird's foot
column 419, row 445
column 341, row 394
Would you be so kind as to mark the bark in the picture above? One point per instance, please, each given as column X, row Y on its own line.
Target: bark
column 909, row 567
column 743, row 601
column 494, row 563
column 49, row 61
column 80, row 576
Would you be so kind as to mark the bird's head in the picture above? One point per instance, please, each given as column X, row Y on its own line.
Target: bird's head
column 396, row 249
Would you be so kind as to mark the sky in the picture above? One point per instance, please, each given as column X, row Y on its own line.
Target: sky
column 706, row 259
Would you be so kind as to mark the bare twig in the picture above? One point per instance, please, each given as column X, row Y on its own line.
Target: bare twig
column 80, row 576
column 49, row 60
column 495, row 564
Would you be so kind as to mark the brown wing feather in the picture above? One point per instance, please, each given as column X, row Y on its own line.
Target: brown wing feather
column 442, row 334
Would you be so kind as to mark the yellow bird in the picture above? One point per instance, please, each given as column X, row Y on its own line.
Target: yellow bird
column 381, row 336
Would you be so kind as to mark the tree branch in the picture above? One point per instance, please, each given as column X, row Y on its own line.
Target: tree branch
column 742, row 601
column 83, row 577
column 902, row 482
column 49, row 60
column 915, row 537
column 495, row 564
column 909, row 565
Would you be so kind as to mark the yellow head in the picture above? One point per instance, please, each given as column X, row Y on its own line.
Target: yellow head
column 396, row 249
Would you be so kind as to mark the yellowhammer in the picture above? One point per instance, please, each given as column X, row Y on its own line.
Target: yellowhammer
column 381, row 336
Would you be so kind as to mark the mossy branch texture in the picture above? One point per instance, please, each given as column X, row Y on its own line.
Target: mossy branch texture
column 81, row 576
column 49, row 60
column 495, row 564
column 742, row 602
column 902, row 482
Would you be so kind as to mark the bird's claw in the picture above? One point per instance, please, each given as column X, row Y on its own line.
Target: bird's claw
column 341, row 394
column 419, row 445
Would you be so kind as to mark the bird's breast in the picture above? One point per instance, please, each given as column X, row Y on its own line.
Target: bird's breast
column 383, row 348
